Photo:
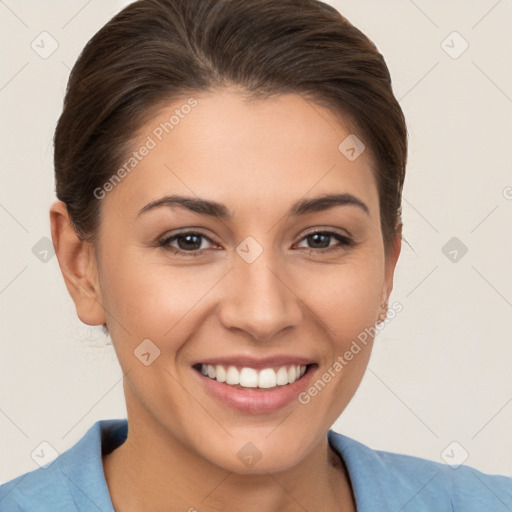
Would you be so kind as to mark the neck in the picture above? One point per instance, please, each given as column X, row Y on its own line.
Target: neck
column 150, row 475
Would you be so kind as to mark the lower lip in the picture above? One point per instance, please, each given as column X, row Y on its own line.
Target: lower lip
column 257, row 400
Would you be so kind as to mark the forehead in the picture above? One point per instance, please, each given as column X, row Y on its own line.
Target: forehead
column 258, row 154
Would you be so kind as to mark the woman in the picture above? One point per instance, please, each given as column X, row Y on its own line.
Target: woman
column 229, row 176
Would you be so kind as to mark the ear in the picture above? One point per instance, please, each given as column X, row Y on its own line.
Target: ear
column 390, row 264
column 77, row 261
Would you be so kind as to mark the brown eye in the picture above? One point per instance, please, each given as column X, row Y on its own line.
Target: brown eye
column 321, row 241
column 188, row 243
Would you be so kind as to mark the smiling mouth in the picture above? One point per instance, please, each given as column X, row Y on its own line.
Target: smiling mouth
column 246, row 377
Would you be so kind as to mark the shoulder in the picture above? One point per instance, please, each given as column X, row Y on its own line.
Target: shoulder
column 74, row 478
column 417, row 484
column 45, row 485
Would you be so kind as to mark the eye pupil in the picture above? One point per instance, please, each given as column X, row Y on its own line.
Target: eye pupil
column 194, row 244
column 316, row 237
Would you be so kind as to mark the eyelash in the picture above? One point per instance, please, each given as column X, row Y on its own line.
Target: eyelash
column 344, row 242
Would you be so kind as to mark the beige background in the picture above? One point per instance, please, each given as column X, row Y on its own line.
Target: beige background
column 440, row 372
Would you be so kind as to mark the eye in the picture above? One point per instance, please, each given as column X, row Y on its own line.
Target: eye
column 189, row 243
column 321, row 241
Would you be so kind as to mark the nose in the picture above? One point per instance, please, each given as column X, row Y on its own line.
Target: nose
column 258, row 299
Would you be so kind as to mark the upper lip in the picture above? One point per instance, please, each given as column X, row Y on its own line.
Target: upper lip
column 257, row 362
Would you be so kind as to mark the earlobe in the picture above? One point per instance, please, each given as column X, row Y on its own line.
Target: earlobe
column 78, row 265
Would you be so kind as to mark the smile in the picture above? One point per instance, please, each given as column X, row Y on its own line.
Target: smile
column 246, row 377
column 255, row 386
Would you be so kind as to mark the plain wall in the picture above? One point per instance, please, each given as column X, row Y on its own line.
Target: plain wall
column 439, row 372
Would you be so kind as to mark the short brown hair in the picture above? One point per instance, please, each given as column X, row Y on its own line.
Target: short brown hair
column 156, row 51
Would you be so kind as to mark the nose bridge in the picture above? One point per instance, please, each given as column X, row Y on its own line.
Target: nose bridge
column 259, row 300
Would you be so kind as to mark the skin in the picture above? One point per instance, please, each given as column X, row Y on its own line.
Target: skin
column 257, row 158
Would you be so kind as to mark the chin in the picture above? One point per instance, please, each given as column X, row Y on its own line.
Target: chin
column 261, row 452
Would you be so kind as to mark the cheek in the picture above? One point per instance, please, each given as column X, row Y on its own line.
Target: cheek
column 345, row 297
column 149, row 299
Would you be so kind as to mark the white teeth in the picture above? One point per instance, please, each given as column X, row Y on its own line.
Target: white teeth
column 250, row 378
column 267, row 378
column 292, row 373
column 282, row 376
column 220, row 373
column 232, row 376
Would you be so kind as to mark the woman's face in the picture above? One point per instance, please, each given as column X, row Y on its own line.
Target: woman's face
column 250, row 287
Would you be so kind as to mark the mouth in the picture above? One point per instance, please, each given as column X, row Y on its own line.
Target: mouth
column 249, row 377
column 255, row 387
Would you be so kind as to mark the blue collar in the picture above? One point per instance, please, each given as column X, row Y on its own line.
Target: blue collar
column 381, row 480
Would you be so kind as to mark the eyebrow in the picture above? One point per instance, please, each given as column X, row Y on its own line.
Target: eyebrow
column 220, row 211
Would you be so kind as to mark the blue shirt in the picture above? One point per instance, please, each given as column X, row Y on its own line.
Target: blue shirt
column 382, row 481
